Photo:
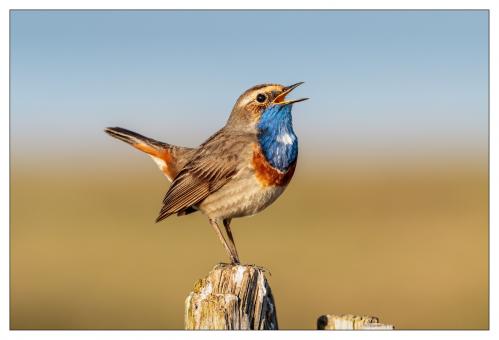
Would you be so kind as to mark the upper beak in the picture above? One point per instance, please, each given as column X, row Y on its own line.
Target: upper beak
column 280, row 98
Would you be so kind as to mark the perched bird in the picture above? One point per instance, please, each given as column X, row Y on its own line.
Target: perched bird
column 238, row 171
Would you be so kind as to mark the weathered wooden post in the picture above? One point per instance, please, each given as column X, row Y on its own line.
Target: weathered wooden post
column 352, row 322
column 231, row 297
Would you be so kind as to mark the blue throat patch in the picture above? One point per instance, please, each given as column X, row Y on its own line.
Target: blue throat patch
column 277, row 138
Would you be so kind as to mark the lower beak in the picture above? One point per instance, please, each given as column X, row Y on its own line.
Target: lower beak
column 280, row 98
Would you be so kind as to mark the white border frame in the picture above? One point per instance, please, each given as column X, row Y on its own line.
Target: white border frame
column 7, row 5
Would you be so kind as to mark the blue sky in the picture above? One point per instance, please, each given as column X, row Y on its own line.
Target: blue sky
column 379, row 81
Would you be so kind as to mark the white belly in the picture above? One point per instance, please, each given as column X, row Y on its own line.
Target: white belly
column 244, row 196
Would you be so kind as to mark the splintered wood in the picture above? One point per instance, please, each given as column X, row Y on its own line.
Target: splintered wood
column 231, row 297
column 352, row 322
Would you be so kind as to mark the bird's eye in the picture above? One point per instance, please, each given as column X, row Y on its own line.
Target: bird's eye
column 261, row 98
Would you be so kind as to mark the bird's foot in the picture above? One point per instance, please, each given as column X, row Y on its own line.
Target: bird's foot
column 226, row 264
column 232, row 264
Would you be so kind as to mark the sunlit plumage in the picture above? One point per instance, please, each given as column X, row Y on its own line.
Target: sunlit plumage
column 238, row 171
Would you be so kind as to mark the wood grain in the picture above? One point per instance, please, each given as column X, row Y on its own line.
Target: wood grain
column 231, row 297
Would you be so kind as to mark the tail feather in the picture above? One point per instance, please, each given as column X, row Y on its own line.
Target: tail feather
column 133, row 138
column 169, row 158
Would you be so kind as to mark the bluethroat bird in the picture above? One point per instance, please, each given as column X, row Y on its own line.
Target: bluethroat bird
column 239, row 171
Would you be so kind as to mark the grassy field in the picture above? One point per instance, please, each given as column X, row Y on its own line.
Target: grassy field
column 408, row 244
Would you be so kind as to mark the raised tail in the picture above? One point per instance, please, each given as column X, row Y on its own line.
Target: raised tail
column 169, row 158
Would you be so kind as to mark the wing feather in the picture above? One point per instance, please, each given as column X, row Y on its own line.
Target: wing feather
column 214, row 164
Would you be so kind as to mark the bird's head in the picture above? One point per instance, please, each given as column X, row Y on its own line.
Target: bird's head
column 253, row 103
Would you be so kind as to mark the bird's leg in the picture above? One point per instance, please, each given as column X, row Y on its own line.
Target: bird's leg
column 232, row 244
column 233, row 257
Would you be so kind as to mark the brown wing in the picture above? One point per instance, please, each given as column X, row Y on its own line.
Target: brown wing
column 213, row 165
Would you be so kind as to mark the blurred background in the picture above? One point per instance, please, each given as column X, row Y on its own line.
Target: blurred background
column 387, row 213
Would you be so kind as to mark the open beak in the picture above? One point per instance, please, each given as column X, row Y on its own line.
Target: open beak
column 280, row 99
